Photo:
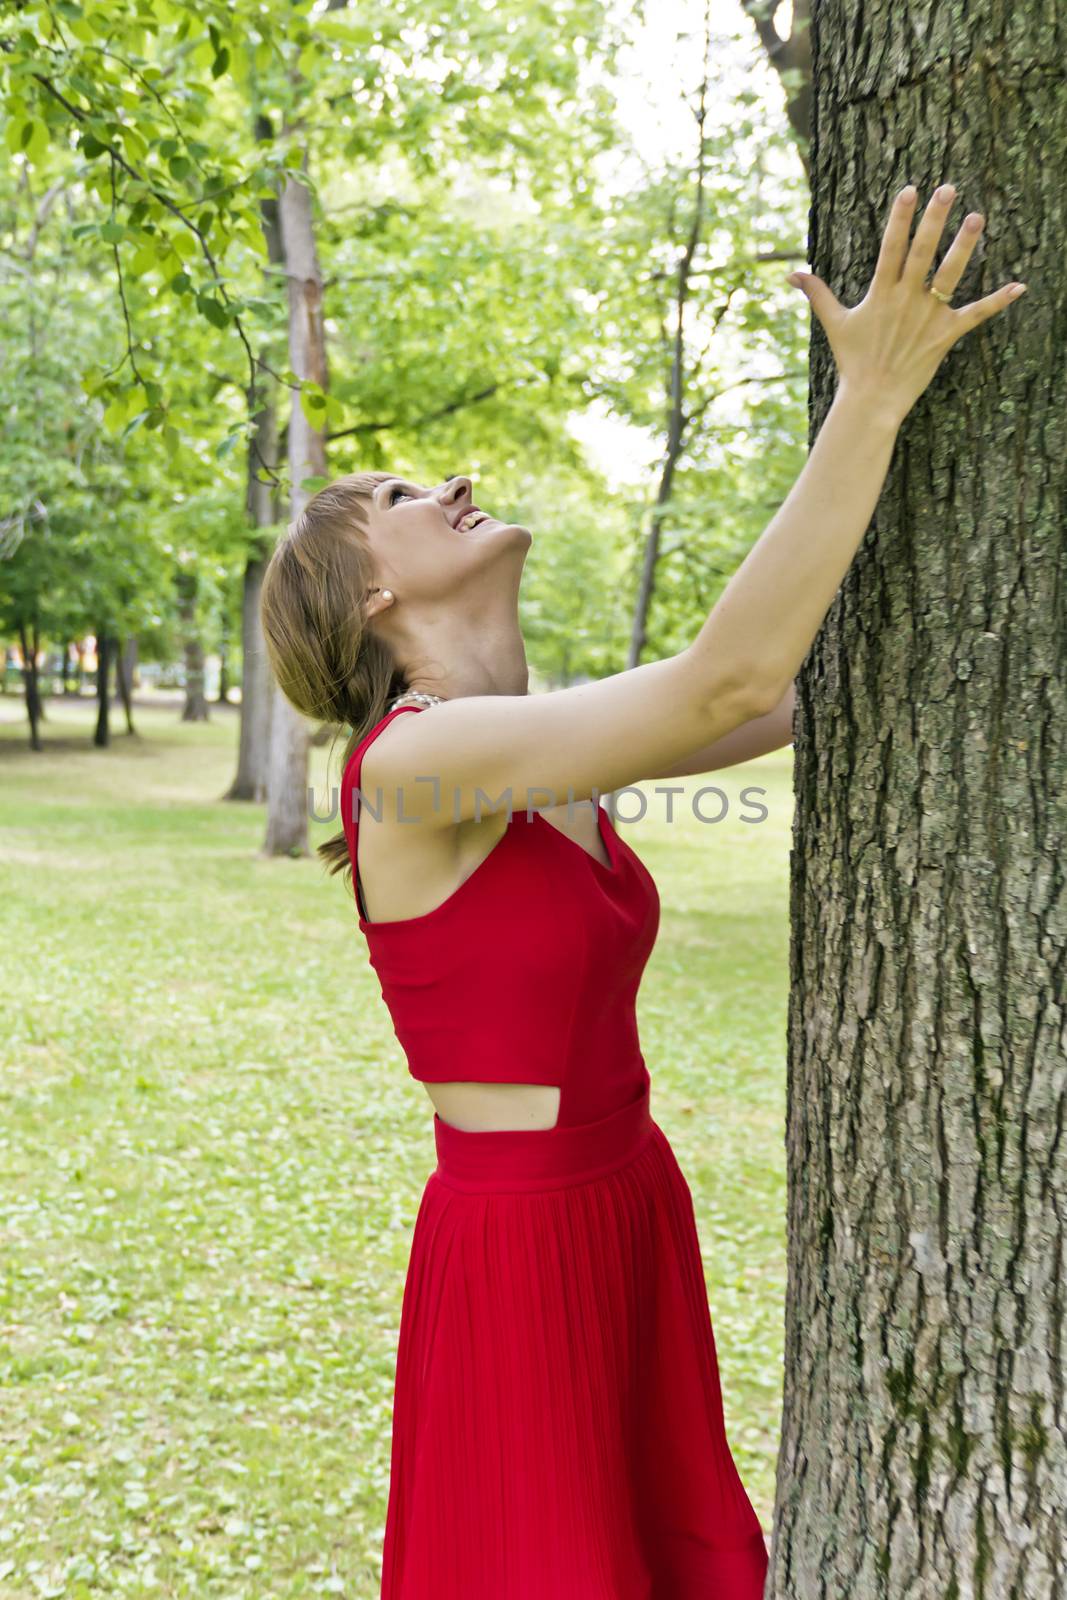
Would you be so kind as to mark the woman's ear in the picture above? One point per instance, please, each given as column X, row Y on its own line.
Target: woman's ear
column 379, row 600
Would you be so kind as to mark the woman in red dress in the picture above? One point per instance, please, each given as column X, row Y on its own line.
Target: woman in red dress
column 558, row 1429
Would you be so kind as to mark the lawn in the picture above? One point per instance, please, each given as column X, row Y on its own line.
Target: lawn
column 211, row 1157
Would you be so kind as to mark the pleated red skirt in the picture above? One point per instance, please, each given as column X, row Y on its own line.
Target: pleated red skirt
column 558, row 1426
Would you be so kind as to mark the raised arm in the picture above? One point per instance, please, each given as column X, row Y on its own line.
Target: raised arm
column 756, row 737
column 485, row 753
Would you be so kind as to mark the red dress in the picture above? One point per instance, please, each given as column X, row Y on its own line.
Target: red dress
column 558, row 1428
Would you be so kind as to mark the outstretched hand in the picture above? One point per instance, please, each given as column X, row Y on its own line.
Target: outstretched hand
column 893, row 342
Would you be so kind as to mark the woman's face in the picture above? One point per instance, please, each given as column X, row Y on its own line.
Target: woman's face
column 422, row 545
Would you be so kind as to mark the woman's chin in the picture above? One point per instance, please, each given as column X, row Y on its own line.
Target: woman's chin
column 503, row 533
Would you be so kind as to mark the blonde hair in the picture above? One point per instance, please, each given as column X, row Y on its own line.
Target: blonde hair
column 327, row 661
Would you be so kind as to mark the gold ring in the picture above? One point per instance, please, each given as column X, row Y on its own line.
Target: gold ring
column 946, row 299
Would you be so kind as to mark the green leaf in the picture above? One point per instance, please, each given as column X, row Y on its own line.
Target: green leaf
column 115, row 415
column 145, row 260
column 134, row 423
column 136, row 148
column 213, row 310
column 313, row 405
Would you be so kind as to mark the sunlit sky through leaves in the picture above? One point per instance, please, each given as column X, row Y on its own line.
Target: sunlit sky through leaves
column 656, row 79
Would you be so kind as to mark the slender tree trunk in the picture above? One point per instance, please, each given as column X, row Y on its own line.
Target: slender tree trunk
column 195, row 708
column 287, row 823
column 264, row 511
column 674, row 411
column 924, row 1443
column 250, row 780
column 102, row 735
column 790, row 56
column 223, row 696
column 125, row 656
column 31, row 685
column 650, row 557
column 674, row 417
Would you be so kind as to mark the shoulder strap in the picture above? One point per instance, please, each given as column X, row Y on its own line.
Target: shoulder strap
column 349, row 783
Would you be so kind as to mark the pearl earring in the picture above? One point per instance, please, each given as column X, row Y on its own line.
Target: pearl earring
column 387, row 594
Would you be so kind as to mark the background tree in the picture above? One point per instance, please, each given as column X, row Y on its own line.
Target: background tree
column 287, row 811
column 790, row 56
column 698, row 248
column 922, row 1452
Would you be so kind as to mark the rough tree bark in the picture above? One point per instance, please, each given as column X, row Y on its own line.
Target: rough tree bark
column 923, row 1444
column 287, row 809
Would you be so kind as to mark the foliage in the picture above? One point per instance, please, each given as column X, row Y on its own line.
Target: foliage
column 481, row 287
column 158, row 101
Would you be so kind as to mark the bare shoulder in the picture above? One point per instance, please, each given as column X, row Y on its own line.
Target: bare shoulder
column 478, row 754
column 388, row 773
column 407, row 868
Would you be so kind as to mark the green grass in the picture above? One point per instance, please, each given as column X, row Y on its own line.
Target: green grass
column 211, row 1157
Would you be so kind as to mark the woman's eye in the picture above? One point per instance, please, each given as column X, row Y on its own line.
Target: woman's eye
column 394, row 492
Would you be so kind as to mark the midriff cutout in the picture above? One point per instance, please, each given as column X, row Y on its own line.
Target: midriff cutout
column 496, row 1107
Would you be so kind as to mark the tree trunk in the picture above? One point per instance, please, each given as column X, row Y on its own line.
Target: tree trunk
column 287, row 786
column 264, row 511
column 31, row 685
column 923, row 1444
column 223, row 696
column 124, row 662
column 250, row 780
column 195, row 708
column 790, row 56
column 102, row 735
column 675, row 419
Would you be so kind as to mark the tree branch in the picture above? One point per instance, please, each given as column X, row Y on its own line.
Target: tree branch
column 431, row 416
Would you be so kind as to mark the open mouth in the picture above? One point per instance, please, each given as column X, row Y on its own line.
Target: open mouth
column 471, row 521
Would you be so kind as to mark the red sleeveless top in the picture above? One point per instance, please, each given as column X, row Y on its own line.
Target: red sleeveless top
column 529, row 971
